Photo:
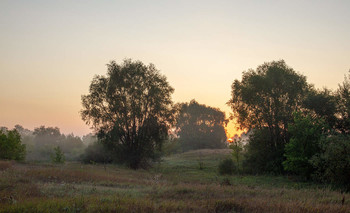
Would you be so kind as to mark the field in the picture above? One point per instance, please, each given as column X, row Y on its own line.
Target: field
column 187, row 182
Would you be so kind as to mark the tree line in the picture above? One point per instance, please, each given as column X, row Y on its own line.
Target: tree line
column 41, row 144
column 294, row 127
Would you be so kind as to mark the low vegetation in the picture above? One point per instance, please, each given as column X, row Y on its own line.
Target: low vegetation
column 177, row 184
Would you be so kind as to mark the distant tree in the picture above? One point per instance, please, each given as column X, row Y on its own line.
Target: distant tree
column 200, row 126
column 47, row 135
column 22, row 131
column 306, row 133
column 45, row 139
column 11, row 147
column 130, row 109
column 265, row 98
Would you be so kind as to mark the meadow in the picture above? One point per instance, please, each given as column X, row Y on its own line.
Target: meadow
column 187, row 182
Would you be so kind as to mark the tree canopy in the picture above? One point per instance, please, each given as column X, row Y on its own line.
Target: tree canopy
column 130, row 109
column 200, row 126
column 267, row 97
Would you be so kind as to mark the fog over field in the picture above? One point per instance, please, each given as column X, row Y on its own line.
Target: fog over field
column 174, row 106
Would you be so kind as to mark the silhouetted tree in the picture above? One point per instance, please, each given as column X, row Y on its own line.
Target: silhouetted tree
column 265, row 98
column 131, row 109
column 200, row 126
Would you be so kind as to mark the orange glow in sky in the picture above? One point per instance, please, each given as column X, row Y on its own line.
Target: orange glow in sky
column 51, row 50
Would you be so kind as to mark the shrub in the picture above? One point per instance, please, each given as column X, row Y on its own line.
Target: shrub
column 237, row 152
column 332, row 164
column 11, row 147
column 227, row 167
column 97, row 153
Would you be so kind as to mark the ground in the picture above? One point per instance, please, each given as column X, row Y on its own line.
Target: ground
column 187, row 182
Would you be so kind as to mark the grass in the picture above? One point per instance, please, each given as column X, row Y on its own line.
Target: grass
column 187, row 182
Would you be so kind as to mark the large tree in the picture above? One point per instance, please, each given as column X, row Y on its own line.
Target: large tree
column 200, row 126
column 265, row 99
column 130, row 109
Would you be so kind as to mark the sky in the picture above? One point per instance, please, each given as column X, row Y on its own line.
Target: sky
column 51, row 50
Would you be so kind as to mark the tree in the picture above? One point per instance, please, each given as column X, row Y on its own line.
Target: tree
column 11, row 147
column 47, row 135
column 200, row 126
column 237, row 151
column 58, row 156
column 130, row 109
column 306, row 133
column 265, row 98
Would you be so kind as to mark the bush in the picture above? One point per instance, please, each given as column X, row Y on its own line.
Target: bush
column 97, row 153
column 227, row 167
column 11, row 147
column 237, row 152
column 332, row 164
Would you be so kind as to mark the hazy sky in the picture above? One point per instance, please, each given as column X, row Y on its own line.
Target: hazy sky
column 50, row 50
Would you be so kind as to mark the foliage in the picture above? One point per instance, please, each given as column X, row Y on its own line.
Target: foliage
column 11, row 147
column 58, row 156
column 97, row 153
column 332, row 164
column 131, row 109
column 227, row 167
column 343, row 100
column 306, row 133
column 200, row 126
column 264, row 100
column 260, row 157
column 267, row 97
column 322, row 104
column 237, row 152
